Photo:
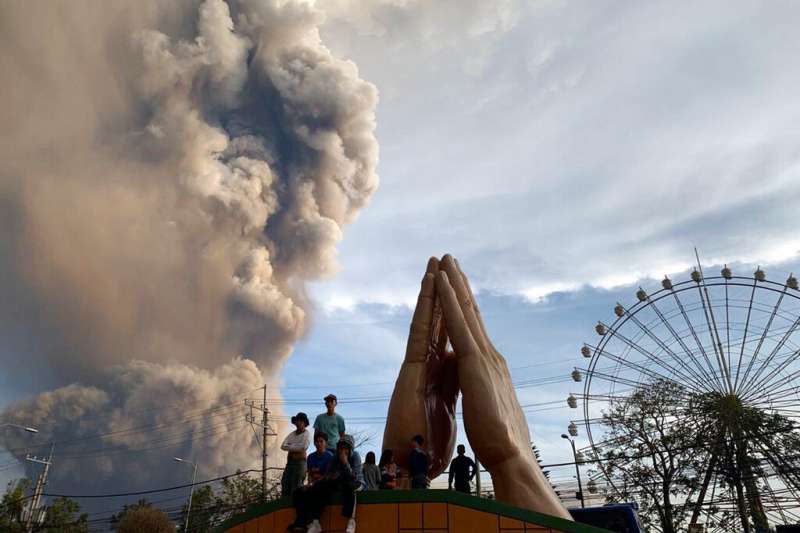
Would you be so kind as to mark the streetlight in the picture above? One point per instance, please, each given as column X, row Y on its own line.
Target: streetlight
column 191, row 489
column 24, row 428
column 577, row 470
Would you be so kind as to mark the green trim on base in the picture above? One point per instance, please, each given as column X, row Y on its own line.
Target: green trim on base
column 426, row 496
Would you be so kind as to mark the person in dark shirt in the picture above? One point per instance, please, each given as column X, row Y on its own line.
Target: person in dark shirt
column 343, row 476
column 462, row 469
column 418, row 464
column 317, row 462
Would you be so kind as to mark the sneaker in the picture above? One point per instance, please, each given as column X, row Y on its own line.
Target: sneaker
column 351, row 526
column 315, row 527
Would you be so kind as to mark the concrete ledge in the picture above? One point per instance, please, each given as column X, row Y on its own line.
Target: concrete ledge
column 411, row 511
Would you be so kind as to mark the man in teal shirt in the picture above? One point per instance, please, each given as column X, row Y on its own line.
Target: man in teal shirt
column 330, row 423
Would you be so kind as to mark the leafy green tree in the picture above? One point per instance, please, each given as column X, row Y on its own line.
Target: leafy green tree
column 140, row 517
column 203, row 515
column 649, row 450
column 12, row 506
column 546, row 472
column 63, row 515
column 237, row 493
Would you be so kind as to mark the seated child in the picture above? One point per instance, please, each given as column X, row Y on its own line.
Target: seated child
column 389, row 470
column 343, row 477
column 318, row 460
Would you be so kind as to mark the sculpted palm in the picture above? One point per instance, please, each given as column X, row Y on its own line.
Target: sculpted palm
column 493, row 419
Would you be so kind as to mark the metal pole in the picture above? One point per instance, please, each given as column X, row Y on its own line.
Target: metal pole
column 477, row 477
column 577, row 469
column 264, row 423
column 40, row 483
column 191, row 493
column 578, row 472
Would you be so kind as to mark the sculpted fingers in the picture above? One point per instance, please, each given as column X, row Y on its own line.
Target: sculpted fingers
column 420, row 332
column 457, row 328
column 465, row 297
column 465, row 280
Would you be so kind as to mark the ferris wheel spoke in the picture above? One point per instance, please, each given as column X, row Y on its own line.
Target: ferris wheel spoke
column 788, row 471
column 678, row 338
column 791, row 358
column 708, row 310
column 693, row 377
column 697, row 340
column 761, row 342
column 643, row 369
column 744, row 336
column 766, row 387
column 774, row 499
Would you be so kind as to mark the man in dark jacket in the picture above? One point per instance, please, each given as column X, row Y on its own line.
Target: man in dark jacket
column 344, row 477
column 418, row 464
column 463, row 469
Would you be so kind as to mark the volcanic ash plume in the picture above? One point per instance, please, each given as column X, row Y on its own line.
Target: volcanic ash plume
column 125, row 433
column 170, row 176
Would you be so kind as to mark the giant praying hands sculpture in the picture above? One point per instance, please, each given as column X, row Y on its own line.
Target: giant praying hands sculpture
column 424, row 397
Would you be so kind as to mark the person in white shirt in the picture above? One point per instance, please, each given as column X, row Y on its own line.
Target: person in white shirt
column 296, row 444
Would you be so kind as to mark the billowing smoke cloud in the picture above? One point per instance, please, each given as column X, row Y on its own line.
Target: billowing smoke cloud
column 170, row 176
column 126, row 432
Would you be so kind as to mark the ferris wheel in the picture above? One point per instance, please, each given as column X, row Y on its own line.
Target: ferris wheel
column 727, row 350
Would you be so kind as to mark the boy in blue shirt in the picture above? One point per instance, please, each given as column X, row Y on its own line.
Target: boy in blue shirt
column 343, row 476
column 330, row 423
column 317, row 462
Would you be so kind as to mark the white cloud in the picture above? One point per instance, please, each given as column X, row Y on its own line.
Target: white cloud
column 596, row 145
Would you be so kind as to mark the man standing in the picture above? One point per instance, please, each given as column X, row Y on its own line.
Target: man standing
column 463, row 469
column 418, row 463
column 296, row 443
column 330, row 423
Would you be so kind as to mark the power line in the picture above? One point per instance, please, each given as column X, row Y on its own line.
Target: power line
column 149, row 491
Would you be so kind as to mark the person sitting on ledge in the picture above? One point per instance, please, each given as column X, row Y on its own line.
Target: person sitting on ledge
column 372, row 474
column 342, row 477
column 418, row 463
column 462, row 469
column 319, row 459
column 389, row 470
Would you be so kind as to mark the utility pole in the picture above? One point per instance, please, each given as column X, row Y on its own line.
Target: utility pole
column 477, row 477
column 266, row 431
column 264, row 426
column 577, row 469
column 191, row 490
column 41, row 481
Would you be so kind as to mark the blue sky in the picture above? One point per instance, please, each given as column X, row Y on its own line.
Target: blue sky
column 565, row 153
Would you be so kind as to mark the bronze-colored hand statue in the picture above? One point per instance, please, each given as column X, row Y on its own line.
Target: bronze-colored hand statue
column 425, row 393
column 494, row 421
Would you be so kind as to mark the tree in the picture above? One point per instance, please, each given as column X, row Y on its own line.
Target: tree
column 238, row 492
column 650, row 451
column 203, row 515
column 546, row 473
column 141, row 516
column 62, row 515
column 12, row 506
